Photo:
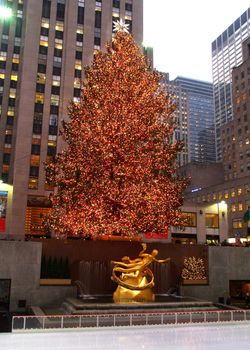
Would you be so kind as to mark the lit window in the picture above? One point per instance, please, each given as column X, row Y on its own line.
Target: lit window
column 10, row 113
column 232, row 193
column 240, row 206
column 190, row 219
column 212, row 220
column 35, row 160
column 226, row 195
column 59, row 26
column 33, row 183
column 41, row 77
column 54, row 100
column 233, row 208
column 78, row 65
column 237, row 223
column 45, row 23
column 239, row 191
column 58, row 46
column 43, row 43
column 12, row 94
column 39, row 98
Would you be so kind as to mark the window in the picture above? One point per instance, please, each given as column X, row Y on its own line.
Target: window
column 190, row 219
column 77, row 92
column 8, row 139
column 16, row 50
column 60, row 12
column 128, row 7
column 80, row 15
column 57, row 52
column 54, row 109
column 116, row 3
column 6, row 158
column 78, row 55
column 40, row 88
column 12, row 102
column 237, row 223
column 212, row 220
column 59, row 34
column 18, row 31
column 79, row 37
column 41, row 68
column 46, row 8
column 35, row 149
column 4, row 47
column 98, row 19
column 34, row 171
column 78, row 73
column 10, row 120
column 44, row 31
column 51, row 151
column 2, row 64
column 6, row 27
column 55, row 90
column 43, row 50
column 56, row 71
column 129, row 22
column 37, row 129
column 97, row 41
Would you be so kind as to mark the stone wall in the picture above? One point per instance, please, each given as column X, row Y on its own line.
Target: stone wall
column 225, row 264
column 21, row 262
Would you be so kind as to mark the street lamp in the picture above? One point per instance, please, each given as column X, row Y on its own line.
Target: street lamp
column 5, row 12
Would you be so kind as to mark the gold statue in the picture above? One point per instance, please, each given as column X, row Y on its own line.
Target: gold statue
column 134, row 278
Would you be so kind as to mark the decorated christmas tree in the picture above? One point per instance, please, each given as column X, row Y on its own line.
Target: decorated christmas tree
column 117, row 174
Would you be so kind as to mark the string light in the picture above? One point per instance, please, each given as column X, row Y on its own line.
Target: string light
column 117, row 174
column 194, row 269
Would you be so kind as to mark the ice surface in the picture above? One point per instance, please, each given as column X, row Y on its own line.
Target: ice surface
column 205, row 337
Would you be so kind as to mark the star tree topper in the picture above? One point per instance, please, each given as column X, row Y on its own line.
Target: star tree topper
column 120, row 26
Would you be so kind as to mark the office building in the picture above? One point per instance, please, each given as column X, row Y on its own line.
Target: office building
column 43, row 49
column 226, row 54
column 194, row 119
column 232, row 182
column 235, row 135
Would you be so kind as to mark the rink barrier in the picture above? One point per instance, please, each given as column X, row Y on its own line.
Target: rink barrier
column 61, row 322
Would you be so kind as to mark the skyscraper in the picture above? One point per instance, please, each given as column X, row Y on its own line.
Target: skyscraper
column 44, row 47
column 194, row 119
column 226, row 54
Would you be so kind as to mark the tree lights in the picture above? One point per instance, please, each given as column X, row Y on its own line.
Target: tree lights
column 117, row 174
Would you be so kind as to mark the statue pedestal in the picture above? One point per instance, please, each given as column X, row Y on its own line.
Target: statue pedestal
column 125, row 295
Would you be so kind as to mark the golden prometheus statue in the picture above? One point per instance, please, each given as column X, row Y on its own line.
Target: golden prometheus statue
column 134, row 278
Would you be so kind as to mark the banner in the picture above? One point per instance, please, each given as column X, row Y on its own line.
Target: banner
column 3, row 208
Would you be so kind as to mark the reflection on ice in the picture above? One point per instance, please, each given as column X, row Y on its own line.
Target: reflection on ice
column 210, row 337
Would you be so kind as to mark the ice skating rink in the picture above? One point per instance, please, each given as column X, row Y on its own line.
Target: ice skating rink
column 205, row 337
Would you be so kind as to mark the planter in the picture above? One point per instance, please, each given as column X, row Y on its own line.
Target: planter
column 55, row 282
column 195, row 282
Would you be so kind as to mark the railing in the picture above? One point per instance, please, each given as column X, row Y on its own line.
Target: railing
column 30, row 323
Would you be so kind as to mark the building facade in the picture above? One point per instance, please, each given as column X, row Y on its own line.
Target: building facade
column 194, row 119
column 44, row 48
column 235, row 135
column 226, row 54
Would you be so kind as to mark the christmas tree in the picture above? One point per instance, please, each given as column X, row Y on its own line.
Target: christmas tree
column 117, row 173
